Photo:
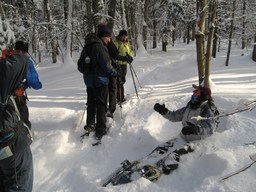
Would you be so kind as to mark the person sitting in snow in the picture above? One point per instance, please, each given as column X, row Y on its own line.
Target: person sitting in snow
column 201, row 104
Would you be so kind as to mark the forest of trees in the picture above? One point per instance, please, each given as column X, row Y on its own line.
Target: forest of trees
column 57, row 28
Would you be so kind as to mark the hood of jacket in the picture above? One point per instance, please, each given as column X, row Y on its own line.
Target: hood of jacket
column 92, row 38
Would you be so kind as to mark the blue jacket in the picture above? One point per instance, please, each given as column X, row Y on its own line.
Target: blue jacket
column 102, row 67
column 32, row 79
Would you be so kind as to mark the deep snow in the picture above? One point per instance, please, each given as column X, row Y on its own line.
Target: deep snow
column 63, row 163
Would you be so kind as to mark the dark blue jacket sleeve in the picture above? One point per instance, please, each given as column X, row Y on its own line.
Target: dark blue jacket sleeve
column 32, row 77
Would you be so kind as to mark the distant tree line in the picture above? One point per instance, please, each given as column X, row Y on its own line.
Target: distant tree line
column 53, row 26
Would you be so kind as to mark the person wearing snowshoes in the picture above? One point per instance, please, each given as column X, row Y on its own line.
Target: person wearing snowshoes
column 97, row 80
column 112, row 87
column 125, row 50
column 200, row 104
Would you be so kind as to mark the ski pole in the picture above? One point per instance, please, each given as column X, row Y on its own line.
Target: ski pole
column 120, row 101
column 82, row 117
column 133, row 81
column 119, row 96
column 135, row 75
column 247, row 107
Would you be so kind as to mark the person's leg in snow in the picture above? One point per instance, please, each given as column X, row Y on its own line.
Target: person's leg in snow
column 101, row 103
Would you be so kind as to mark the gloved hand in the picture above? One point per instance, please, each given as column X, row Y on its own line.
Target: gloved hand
column 190, row 129
column 122, row 58
column 160, row 108
column 129, row 58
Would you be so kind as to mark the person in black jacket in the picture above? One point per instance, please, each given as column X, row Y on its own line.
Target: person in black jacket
column 112, row 87
column 97, row 80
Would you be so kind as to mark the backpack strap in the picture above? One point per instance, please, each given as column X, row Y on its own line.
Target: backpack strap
column 9, row 134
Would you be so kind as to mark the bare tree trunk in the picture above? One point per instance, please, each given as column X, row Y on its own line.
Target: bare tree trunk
column 215, row 37
column 96, row 11
column 231, row 32
column 164, row 40
column 111, row 13
column 174, row 23
column 51, row 31
column 89, row 16
column 2, row 11
column 193, row 31
column 209, row 43
column 254, row 49
column 145, row 26
column 243, row 30
column 69, row 26
column 188, row 33
column 129, row 11
column 122, row 13
column 154, row 34
column 131, row 24
column 200, row 35
column 65, row 9
column 215, row 43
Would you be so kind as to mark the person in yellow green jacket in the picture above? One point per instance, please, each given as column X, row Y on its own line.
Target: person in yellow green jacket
column 124, row 48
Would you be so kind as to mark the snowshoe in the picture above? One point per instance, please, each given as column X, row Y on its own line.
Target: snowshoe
column 109, row 114
column 150, row 172
column 88, row 129
column 167, row 169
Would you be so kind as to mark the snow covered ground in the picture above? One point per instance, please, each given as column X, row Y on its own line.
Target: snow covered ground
column 63, row 163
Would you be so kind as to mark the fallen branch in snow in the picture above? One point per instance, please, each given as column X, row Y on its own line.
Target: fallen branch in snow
column 252, row 157
column 246, row 107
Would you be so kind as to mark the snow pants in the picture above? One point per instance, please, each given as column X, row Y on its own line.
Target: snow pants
column 97, row 107
column 16, row 172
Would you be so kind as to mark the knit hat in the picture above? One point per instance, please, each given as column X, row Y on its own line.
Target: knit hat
column 205, row 91
column 21, row 46
column 103, row 31
column 122, row 32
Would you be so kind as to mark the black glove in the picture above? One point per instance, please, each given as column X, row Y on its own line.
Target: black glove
column 122, row 58
column 128, row 58
column 160, row 108
column 191, row 129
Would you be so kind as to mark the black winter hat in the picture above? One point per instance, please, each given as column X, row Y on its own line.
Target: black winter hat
column 103, row 31
column 123, row 32
column 21, row 46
